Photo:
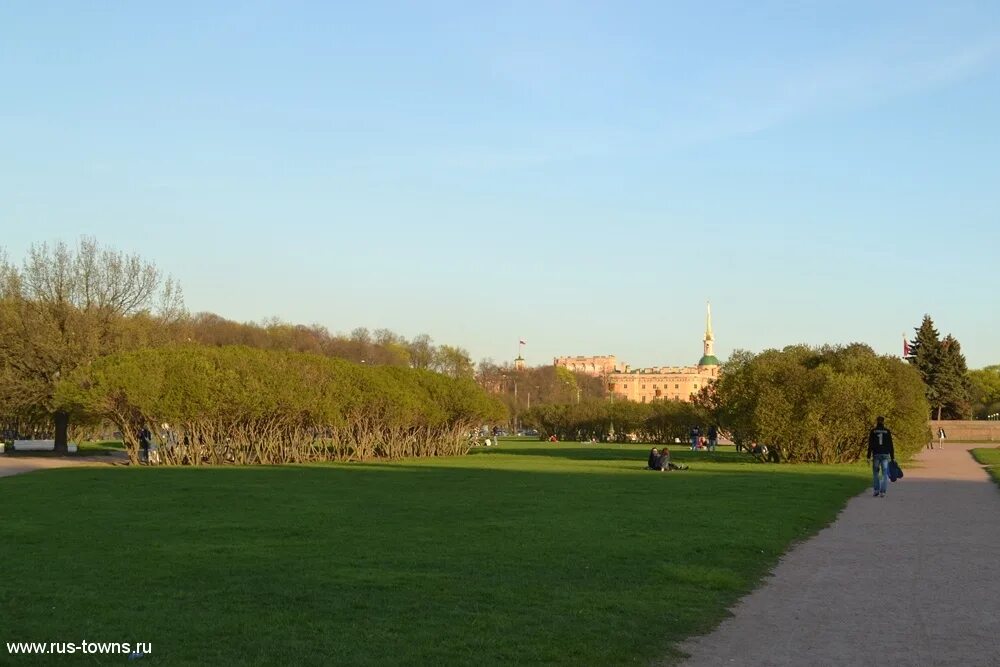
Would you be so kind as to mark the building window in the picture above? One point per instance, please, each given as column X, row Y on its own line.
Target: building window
column 677, row 386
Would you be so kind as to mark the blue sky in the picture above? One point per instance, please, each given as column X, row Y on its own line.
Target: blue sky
column 581, row 175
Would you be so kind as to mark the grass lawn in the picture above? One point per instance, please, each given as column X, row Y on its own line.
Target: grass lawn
column 524, row 554
column 991, row 459
column 100, row 447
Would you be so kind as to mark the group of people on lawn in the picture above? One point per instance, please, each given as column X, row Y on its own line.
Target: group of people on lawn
column 698, row 441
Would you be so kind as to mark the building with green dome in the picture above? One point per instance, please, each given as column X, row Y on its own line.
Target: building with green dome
column 680, row 383
column 708, row 358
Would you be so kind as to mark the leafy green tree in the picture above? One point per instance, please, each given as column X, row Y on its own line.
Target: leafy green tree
column 67, row 306
column 985, row 390
column 817, row 404
column 454, row 362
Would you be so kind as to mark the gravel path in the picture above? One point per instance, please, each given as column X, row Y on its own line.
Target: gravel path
column 909, row 579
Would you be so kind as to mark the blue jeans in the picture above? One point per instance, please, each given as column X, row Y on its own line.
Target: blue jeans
column 694, row 442
column 880, row 462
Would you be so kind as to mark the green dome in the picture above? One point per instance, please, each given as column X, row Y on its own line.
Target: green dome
column 709, row 360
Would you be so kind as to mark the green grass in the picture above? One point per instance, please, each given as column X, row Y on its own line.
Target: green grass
column 991, row 459
column 100, row 447
column 524, row 554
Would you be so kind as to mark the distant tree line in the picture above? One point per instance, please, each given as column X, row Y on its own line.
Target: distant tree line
column 380, row 347
column 804, row 404
column 661, row 421
column 69, row 306
column 235, row 404
column 529, row 387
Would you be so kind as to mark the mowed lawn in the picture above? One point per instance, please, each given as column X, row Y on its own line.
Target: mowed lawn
column 991, row 459
column 528, row 553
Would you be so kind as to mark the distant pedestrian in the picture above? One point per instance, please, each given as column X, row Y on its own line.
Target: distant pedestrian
column 881, row 452
column 144, row 439
column 695, row 437
column 713, row 438
column 941, row 437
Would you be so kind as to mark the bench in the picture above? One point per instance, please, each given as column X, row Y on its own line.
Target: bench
column 37, row 446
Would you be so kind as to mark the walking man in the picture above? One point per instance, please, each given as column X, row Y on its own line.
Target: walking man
column 695, row 435
column 713, row 437
column 880, row 452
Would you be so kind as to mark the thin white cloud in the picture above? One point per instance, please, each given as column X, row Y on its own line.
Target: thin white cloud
column 751, row 101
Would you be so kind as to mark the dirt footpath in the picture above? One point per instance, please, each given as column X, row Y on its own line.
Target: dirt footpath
column 909, row 579
column 13, row 465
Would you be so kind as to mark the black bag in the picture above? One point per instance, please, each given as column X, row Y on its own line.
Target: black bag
column 895, row 472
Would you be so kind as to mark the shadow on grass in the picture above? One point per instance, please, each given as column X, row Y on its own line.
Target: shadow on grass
column 613, row 453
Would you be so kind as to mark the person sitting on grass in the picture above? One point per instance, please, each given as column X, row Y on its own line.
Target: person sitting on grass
column 654, row 459
column 664, row 464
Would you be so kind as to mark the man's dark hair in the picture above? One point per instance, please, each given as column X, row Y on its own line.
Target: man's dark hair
column 879, row 420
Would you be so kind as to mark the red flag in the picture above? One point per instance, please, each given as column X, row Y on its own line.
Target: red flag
column 906, row 347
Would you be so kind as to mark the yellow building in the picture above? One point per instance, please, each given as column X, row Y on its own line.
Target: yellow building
column 596, row 366
column 659, row 382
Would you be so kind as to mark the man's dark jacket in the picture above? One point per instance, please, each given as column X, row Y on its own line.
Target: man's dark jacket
column 880, row 442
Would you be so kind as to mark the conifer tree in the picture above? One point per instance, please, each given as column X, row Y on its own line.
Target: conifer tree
column 943, row 369
column 925, row 355
column 953, row 382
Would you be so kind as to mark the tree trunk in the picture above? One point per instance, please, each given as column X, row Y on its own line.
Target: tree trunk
column 62, row 430
column 939, row 412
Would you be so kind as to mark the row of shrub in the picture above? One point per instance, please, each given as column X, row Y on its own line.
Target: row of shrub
column 243, row 405
column 617, row 421
column 818, row 404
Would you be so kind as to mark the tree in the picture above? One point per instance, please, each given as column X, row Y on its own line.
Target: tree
column 943, row 369
column 817, row 404
column 454, row 362
column 953, row 382
column 421, row 350
column 67, row 306
column 985, row 390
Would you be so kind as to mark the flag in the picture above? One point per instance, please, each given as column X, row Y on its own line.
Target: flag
column 906, row 346
column 522, row 342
